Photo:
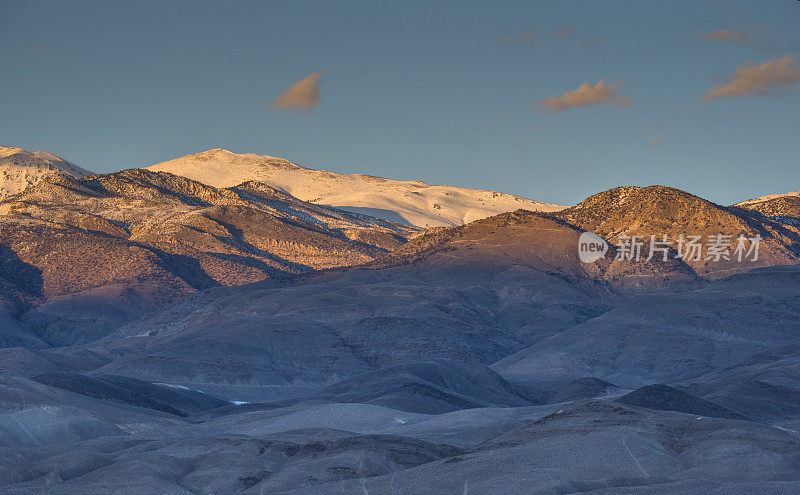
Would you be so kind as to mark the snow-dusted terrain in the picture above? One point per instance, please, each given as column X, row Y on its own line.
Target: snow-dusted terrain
column 20, row 169
column 783, row 207
column 768, row 197
column 369, row 357
column 411, row 202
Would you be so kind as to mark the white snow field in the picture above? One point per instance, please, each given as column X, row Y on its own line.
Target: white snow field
column 20, row 169
column 410, row 202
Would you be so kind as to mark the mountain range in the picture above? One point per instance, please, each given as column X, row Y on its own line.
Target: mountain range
column 410, row 202
column 136, row 240
column 226, row 323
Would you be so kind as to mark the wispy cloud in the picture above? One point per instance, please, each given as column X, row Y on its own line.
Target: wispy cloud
column 587, row 95
column 757, row 36
column 566, row 32
column 727, row 35
column 302, row 95
column 522, row 38
column 655, row 136
column 764, row 80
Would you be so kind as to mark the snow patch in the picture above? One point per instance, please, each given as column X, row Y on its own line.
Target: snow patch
column 412, row 202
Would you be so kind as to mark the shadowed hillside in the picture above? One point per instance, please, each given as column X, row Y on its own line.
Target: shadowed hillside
column 136, row 240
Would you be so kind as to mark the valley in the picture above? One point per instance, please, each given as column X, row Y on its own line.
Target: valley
column 161, row 327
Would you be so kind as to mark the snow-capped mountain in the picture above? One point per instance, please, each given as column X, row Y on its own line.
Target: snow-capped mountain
column 411, row 202
column 115, row 246
column 20, row 169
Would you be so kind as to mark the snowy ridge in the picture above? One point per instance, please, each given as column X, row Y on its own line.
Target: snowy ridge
column 410, row 202
column 768, row 197
column 20, row 169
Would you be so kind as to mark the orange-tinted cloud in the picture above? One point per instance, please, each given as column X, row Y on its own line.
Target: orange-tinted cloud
column 727, row 35
column 566, row 32
column 302, row 95
column 586, row 95
column 762, row 79
column 522, row 38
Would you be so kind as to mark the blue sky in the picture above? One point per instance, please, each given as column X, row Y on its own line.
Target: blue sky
column 448, row 92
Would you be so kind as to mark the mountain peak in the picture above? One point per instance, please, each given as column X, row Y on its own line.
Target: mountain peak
column 639, row 196
column 20, row 169
column 226, row 154
column 411, row 202
column 784, row 206
column 667, row 211
column 10, row 150
column 768, row 197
